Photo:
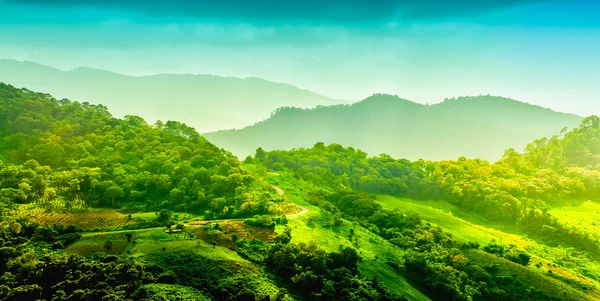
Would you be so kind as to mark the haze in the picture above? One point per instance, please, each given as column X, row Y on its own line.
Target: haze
column 542, row 52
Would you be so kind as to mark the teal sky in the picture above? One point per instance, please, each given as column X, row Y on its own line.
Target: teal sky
column 542, row 52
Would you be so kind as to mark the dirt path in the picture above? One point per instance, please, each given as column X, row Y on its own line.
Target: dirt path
column 279, row 190
column 303, row 210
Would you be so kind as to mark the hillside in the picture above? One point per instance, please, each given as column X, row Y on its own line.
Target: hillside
column 93, row 207
column 531, row 216
column 85, row 196
column 474, row 127
column 205, row 102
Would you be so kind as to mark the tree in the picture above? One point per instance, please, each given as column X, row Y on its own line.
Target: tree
column 260, row 154
column 108, row 245
column 114, row 192
column 163, row 216
column 285, row 237
column 129, row 236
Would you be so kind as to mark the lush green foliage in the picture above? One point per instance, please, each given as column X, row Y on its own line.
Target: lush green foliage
column 71, row 155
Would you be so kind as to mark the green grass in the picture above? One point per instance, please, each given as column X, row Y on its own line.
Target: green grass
column 143, row 251
column 172, row 292
column 89, row 247
column 585, row 215
column 376, row 269
column 446, row 216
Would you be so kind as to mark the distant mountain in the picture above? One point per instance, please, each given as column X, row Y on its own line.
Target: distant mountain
column 474, row 127
column 205, row 102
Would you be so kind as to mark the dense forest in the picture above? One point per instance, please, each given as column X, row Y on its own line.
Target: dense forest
column 58, row 153
column 473, row 127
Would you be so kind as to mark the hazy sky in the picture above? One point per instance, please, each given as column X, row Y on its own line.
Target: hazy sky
column 542, row 52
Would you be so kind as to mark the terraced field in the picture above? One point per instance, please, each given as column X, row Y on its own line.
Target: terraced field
column 100, row 218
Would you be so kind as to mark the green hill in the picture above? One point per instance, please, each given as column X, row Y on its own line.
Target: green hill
column 205, row 102
column 474, row 127
column 93, row 207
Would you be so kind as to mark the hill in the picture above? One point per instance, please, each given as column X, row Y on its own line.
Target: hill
column 474, row 127
column 67, row 167
column 515, row 218
column 205, row 102
column 59, row 154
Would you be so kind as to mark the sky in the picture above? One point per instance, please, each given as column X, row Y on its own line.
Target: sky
column 536, row 51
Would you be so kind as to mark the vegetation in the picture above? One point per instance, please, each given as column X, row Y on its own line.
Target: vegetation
column 193, row 223
column 517, row 190
column 61, row 160
column 63, row 156
column 516, row 193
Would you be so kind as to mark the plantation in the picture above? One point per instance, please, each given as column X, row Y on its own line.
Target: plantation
column 91, row 219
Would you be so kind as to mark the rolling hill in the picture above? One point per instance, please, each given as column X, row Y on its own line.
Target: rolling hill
column 205, row 102
column 474, row 127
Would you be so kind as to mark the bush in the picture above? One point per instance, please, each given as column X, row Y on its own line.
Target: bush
column 262, row 221
column 254, row 250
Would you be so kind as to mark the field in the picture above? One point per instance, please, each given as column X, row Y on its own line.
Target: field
column 446, row 215
column 585, row 215
column 93, row 218
column 147, row 242
column 228, row 228
column 150, row 245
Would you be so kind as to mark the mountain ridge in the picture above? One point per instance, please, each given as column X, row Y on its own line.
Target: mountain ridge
column 384, row 123
column 204, row 101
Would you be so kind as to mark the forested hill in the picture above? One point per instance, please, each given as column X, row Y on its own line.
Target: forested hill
column 474, row 127
column 205, row 102
column 517, row 190
column 70, row 154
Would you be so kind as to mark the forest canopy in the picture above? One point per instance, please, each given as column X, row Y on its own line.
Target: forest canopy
column 64, row 154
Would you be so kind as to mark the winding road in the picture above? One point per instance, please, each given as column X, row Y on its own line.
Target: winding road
column 303, row 210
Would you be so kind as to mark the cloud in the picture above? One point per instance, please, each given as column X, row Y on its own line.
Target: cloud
column 295, row 11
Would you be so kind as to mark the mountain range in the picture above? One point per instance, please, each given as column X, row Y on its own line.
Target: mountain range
column 474, row 127
column 205, row 102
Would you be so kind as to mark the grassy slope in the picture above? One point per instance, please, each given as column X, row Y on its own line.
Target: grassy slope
column 584, row 215
column 150, row 244
column 147, row 242
column 373, row 249
column 580, row 271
